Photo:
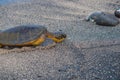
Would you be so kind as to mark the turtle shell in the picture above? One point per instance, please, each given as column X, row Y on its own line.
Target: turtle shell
column 21, row 34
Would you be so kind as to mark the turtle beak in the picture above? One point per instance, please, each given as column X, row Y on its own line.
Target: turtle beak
column 63, row 35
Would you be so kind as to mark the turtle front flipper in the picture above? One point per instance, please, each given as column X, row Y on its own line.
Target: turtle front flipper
column 57, row 36
column 39, row 40
column 48, row 46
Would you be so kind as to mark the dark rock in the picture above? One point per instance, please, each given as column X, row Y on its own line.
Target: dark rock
column 102, row 18
column 117, row 13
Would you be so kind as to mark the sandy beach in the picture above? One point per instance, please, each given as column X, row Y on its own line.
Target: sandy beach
column 90, row 52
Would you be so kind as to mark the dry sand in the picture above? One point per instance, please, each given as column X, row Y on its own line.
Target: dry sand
column 90, row 52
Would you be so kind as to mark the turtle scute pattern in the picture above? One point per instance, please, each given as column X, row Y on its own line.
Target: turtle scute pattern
column 21, row 34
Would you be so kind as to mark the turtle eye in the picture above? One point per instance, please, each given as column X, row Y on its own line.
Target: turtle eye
column 60, row 35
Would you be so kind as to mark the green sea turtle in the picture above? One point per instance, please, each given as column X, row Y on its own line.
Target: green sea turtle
column 28, row 35
column 103, row 18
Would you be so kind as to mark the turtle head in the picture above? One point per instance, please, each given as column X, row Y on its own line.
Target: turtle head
column 57, row 36
column 117, row 13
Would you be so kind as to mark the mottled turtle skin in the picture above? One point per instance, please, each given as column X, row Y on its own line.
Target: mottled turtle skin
column 117, row 13
column 102, row 18
column 28, row 35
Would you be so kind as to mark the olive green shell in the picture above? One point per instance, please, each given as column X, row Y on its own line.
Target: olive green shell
column 21, row 34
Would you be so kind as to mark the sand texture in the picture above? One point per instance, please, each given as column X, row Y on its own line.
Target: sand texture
column 90, row 52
